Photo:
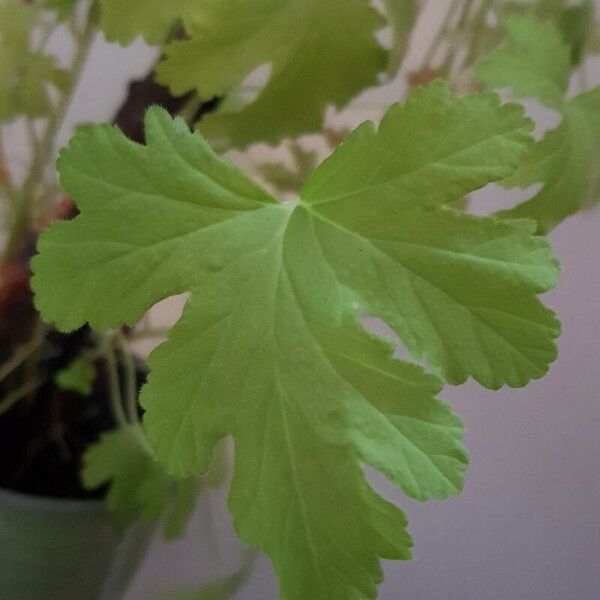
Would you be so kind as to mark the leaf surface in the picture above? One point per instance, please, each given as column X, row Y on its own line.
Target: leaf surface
column 270, row 348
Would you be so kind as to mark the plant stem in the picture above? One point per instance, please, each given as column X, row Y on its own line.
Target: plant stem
column 11, row 399
column 21, row 355
column 477, row 28
column 116, row 402
column 440, row 35
column 44, row 150
column 130, row 381
column 5, row 176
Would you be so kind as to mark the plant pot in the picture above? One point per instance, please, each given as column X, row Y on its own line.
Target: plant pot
column 53, row 549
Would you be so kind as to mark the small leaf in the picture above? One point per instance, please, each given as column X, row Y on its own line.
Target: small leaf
column 567, row 162
column 318, row 54
column 534, row 62
column 139, row 486
column 78, row 376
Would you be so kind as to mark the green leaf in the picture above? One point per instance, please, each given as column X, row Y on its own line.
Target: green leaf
column 139, row 485
column 270, row 349
column 567, row 162
column 124, row 20
column 318, row 55
column 78, row 376
column 534, row 62
column 23, row 74
column 574, row 19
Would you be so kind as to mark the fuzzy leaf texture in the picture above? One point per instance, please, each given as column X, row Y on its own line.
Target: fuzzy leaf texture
column 567, row 160
column 24, row 75
column 319, row 55
column 139, row 486
column 270, row 349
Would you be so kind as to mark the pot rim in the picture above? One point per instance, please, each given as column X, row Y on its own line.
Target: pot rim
column 21, row 499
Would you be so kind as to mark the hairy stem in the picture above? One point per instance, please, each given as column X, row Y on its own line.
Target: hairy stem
column 130, row 380
column 116, row 401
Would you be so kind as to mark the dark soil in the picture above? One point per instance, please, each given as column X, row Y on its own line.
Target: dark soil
column 43, row 438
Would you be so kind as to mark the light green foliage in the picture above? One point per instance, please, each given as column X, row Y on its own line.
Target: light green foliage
column 23, row 74
column 573, row 18
column 534, row 62
column 139, row 485
column 567, row 160
column 319, row 55
column 270, row 348
column 123, row 20
column 78, row 376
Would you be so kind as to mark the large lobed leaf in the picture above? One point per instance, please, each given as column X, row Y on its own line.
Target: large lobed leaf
column 535, row 62
column 270, row 348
